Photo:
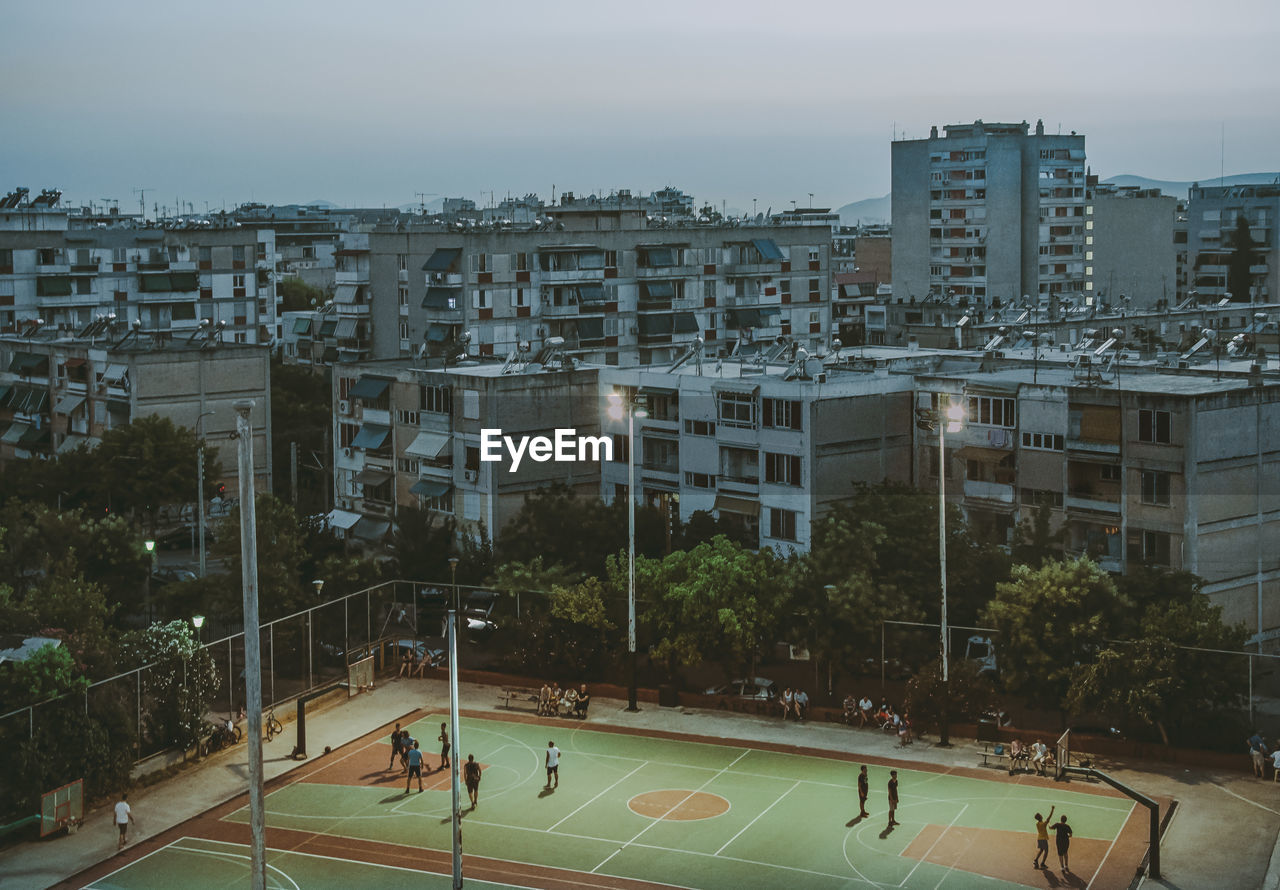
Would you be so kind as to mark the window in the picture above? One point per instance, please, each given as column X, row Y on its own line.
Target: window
column 402, row 262
column 1155, row 487
column 700, row 480
column 437, row 399
column 737, row 409
column 479, row 262
column 813, row 254
column 442, row 503
column 700, row 427
column 783, row 414
column 408, row 465
column 237, row 256
column 784, row 288
column 480, row 300
column 1035, row 497
column 709, row 290
column 473, row 458
column 781, row 469
column 782, row 524
column 621, row 448
column 237, row 281
column 1155, row 548
column 520, row 296
column 814, row 292
column 1042, row 441
column 522, row 262
column 988, row 411
column 403, row 295
column 409, row 418
column 1109, row 472
column 1153, row 426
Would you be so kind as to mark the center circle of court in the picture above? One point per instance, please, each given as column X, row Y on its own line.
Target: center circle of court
column 678, row 806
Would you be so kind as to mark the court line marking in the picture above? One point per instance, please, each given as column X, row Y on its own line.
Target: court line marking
column 1110, row 847
column 358, row 862
column 1245, row 799
column 757, row 818
column 936, row 840
column 687, row 797
column 131, row 864
column 598, row 796
column 238, row 857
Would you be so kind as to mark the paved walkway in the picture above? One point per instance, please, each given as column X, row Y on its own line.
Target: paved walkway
column 1223, row 834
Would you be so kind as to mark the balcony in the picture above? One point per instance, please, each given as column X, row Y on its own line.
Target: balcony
column 989, row 491
column 572, row 276
column 1087, row 499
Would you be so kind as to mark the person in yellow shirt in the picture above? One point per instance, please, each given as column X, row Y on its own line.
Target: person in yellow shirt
column 1042, row 840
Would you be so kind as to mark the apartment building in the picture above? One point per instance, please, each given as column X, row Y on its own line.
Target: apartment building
column 990, row 210
column 1131, row 252
column 58, row 267
column 1213, row 213
column 616, row 284
column 408, row 435
column 59, row 391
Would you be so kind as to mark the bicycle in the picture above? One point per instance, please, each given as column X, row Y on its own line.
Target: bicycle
column 219, row 737
column 273, row 726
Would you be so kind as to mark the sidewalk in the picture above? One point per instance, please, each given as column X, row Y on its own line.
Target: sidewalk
column 1223, row 833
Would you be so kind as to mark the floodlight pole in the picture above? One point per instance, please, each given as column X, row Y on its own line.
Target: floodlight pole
column 200, row 484
column 944, row 737
column 631, row 555
column 252, row 643
column 453, row 727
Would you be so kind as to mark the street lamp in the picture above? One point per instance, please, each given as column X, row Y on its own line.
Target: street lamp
column 637, row 406
column 947, row 418
column 151, row 567
column 453, row 725
column 198, row 622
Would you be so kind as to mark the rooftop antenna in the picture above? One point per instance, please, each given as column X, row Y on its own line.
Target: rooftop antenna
column 141, row 192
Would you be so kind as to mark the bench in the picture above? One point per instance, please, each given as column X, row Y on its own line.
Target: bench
column 519, row 695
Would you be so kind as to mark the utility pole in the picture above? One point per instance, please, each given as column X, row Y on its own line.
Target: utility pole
column 142, row 200
column 252, row 644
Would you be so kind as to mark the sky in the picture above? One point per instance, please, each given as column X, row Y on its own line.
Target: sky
column 370, row 104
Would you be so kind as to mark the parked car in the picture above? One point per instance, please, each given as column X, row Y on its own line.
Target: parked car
column 167, row 575
column 750, row 689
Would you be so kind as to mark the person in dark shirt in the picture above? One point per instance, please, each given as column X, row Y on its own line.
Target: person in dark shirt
column 864, row 789
column 471, row 775
column 893, row 797
column 1063, row 831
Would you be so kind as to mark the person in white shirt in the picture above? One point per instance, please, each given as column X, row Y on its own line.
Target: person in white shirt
column 865, row 707
column 124, row 815
column 1039, row 751
column 553, row 764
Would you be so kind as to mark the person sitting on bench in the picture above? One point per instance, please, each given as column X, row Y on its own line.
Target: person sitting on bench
column 584, row 701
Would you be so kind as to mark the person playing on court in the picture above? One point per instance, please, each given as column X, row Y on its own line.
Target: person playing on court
column 444, row 745
column 395, row 746
column 406, row 743
column 893, row 798
column 471, row 775
column 415, row 768
column 553, row 764
column 864, row 789
column 1042, row 841
column 1063, row 831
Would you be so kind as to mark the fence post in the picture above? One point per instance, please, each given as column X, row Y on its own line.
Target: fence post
column 138, row 744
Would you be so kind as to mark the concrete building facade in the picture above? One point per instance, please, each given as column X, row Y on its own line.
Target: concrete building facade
column 1131, row 250
column 1212, row 215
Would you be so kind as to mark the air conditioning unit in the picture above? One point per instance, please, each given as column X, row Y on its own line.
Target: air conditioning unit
column 469, row 475
column 344, row 407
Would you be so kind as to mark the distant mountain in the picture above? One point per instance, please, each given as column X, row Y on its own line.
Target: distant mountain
column 319, row 202
column 1179, row 189
column 869, row 210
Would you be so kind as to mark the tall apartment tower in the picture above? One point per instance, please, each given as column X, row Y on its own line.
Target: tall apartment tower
column 990, row 210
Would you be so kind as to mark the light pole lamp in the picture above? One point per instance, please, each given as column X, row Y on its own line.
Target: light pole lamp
column 946, row 418
column 636, row 406
column 150, row 544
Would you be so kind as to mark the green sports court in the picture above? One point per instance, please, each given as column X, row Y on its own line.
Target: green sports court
column 635, row 810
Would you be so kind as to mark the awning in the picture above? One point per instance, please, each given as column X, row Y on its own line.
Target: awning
column 442, row 260
column 372, row 478
column 738, row 386
column 159, row 282
column 73, row 441
column 369, row 388
column 328, row 327
column 742, row 318
column 686, row 323
column 53, row 286
column 371, row 529
column 15, row 432
column 68, row 403
column 768, row 250
column 302, row 326
column 5, row 392
column 34, row 435
column 591, row 293
column 115, row 373
column 428, row 445
column 590, row 328
column 656, row 325
column 347, row 328
column 73, row 363
column 351, row 251
column 440, row 298
column 437, row 333
column 371, row 437
column 659, row 290
column 184, row 281
column 347, row 294
column 660, row 256
column 737, row 505
column 342, row 519
column 29, row 363
column 429, row 488
column 29, row 400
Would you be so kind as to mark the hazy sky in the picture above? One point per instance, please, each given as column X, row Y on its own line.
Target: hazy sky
column 369, row 103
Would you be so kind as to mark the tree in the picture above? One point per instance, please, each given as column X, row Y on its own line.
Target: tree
column 1242, row 256
column 298, row 296
column 1153, row 682
column 1051, row 619
column 566, row 633
column 301, row 414
column 1035, row 541
column 282, row 589
column 968, row 693
column 177, row 689
column 716, row 602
